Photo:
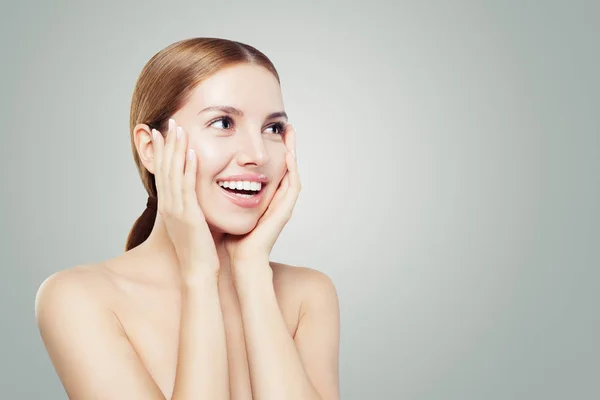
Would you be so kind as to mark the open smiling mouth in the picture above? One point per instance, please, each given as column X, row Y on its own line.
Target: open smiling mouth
column 243, row 189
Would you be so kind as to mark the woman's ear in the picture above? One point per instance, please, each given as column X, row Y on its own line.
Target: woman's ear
column 142, row 136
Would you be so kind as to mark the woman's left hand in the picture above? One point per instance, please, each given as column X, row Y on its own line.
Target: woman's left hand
column 255, row 246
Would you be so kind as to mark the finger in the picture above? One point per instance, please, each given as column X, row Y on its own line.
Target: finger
column 176, row 170
column 291, row 189
column 293, row 165
column 282, row 189
column 285, row 182
column 273, row 204
column 166, row 164
column 290, row 139
column 189, row 180
column 158, row 147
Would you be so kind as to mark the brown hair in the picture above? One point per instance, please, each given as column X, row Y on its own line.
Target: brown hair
column 164, row 86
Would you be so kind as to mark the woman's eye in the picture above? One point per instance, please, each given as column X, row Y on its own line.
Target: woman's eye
column 279, row 128
column 226, row 122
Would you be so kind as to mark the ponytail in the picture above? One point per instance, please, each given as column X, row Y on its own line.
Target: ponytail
column 143, row 225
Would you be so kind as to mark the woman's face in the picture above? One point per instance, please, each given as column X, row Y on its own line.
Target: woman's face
column 246, row 139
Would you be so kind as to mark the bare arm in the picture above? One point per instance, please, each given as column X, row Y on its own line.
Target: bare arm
column 94, row 358
column 281, row 367
column 304, row 367
column 202, row 369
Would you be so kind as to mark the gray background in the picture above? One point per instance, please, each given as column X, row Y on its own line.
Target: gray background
column 449, row 154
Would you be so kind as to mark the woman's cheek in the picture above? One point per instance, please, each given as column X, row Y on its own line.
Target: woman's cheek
column 212, row 156
column 206, row 149
column 203, row 144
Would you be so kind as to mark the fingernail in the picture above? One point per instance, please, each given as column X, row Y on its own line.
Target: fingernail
column 190, row 154
column 171, row 124
column 179, row 132
column 154, row 134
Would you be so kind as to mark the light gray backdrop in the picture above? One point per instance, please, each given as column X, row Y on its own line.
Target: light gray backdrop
column 449, row 154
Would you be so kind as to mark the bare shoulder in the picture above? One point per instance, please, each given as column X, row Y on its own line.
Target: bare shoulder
column 84, row 338
column 299, row 274
column 305, row 282
column 67, row 288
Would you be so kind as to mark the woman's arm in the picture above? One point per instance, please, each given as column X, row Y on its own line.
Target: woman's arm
column 94, row 358
column 202, row 369
column 281, row 367
column 305, row 367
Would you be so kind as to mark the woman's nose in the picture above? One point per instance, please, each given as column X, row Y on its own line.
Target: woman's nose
column 252, row 149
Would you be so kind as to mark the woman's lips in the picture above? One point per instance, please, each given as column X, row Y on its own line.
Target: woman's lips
column 245, row 202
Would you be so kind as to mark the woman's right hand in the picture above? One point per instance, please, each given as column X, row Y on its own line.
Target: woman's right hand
column 175, row 177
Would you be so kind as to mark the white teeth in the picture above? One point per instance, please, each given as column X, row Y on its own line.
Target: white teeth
column 241, row 185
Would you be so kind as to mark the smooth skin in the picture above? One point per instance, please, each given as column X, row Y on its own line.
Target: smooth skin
column 198, row 310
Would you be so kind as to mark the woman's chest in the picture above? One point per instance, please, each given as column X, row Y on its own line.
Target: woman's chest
column 152, row 325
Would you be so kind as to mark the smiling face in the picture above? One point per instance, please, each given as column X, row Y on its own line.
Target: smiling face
column 235, row 125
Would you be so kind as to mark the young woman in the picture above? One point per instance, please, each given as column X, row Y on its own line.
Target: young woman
column 194, row 308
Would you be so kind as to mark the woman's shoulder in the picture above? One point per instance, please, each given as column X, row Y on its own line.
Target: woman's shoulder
column 301, row 279
column 301, row 272
column 78, row 284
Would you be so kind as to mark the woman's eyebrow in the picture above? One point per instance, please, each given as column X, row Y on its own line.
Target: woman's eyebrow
column 239, row 113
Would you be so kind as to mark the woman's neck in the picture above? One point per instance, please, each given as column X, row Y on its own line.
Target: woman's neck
column 160, row 248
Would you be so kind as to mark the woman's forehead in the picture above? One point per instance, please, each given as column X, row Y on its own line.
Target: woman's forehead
column 240, row 86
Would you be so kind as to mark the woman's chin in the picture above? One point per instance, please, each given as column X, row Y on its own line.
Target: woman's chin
column 239, row 227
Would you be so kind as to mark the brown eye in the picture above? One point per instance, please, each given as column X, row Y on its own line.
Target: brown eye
column 227, row 122
column 279, row 127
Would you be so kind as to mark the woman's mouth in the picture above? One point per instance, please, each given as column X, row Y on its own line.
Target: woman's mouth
column 242, row 193
column 242, row 188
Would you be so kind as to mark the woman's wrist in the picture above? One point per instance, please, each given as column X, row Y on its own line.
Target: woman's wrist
column 200, row 277
column 249, row 275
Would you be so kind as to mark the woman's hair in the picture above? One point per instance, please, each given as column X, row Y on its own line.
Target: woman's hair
column 164, row 86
